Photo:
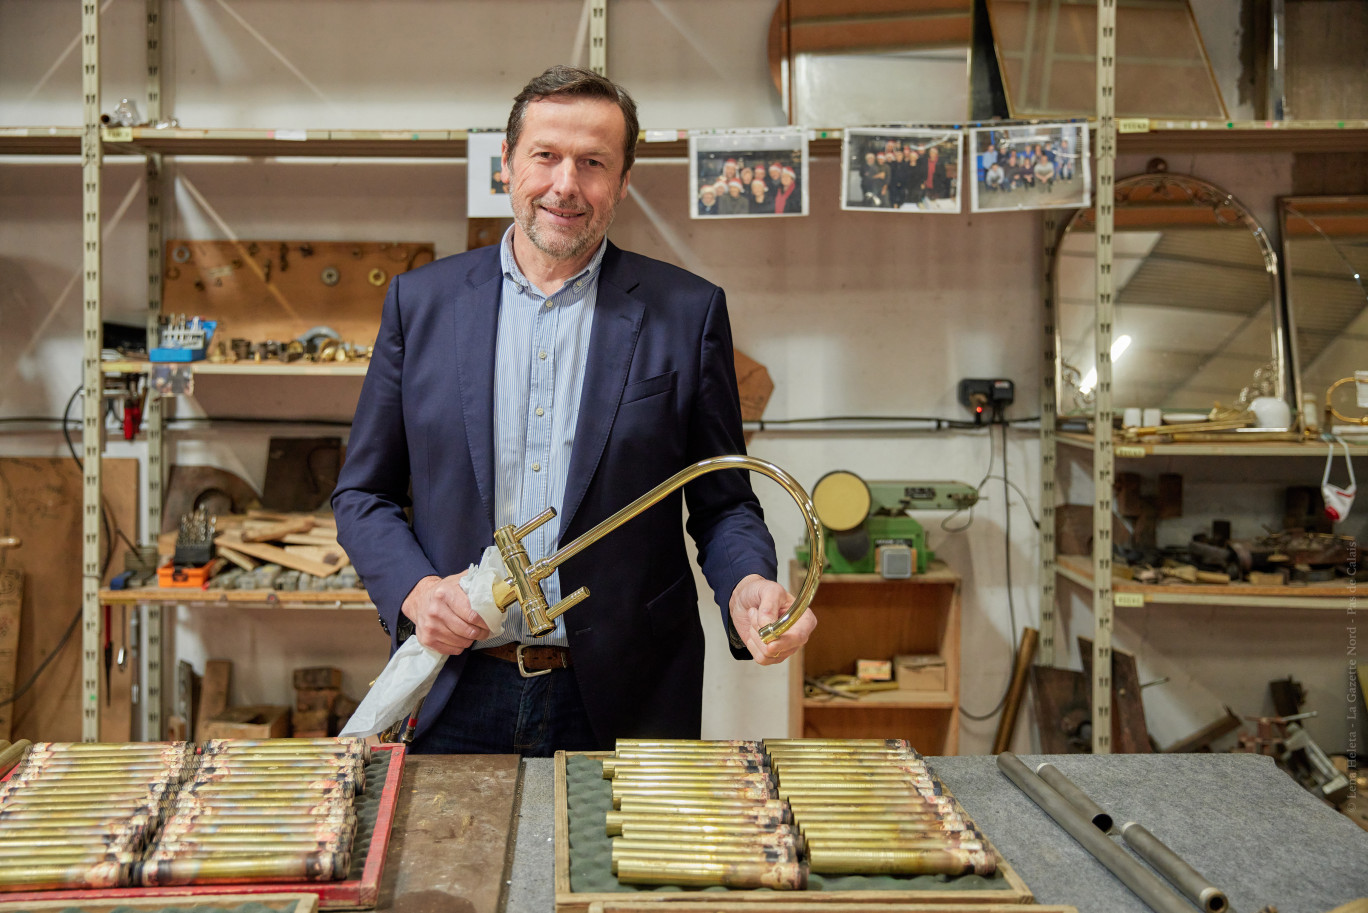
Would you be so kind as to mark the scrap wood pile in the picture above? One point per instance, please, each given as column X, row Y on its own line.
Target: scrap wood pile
column 262, row 550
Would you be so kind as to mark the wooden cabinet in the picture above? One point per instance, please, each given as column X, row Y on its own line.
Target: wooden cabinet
column 864, row 616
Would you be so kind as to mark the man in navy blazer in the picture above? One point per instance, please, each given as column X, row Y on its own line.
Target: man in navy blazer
column 555, row 370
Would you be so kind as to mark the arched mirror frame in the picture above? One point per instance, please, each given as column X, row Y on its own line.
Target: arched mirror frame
column 1225, row 209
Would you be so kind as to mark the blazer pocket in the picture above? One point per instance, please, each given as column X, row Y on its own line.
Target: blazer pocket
column 666, row 613
column 661, row 383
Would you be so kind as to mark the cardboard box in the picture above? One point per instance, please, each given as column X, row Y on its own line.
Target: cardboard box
column 316, row 699
column 873, row 670
column 265, row 721
column 919, row 672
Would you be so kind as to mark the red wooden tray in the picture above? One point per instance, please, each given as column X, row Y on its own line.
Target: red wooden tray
column 356, row 894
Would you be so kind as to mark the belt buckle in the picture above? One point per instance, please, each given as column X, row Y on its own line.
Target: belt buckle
column 522, row 670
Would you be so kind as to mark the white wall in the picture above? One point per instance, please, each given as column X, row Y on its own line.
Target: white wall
column 852, row 313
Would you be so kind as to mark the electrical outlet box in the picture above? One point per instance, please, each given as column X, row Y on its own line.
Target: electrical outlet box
column 986, row 396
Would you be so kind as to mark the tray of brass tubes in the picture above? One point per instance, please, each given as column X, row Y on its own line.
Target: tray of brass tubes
column 860, row 821
column 83, row 821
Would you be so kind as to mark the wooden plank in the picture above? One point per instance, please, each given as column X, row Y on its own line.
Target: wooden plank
column 269, row 532
column 11, row 604
column 215, row 685
column 327, row 554
column 452, row 832
column 262, row 290
column 245, row 562
column 277, row 555
column 40, row 503
column 309, row 539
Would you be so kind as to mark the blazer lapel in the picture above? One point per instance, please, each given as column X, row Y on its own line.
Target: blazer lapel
column 617, row 324
column 475, row 324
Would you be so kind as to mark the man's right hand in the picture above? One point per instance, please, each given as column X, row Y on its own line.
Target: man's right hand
column 441, row 614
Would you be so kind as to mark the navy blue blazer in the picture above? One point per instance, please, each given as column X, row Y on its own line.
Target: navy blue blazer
column 659, row 394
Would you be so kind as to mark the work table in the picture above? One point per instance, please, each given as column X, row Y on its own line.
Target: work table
column 1236, row 818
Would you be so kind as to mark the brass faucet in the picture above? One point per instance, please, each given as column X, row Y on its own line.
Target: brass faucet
column 523, row 583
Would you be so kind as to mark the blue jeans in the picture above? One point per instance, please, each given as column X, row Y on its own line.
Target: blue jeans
column 494, row 710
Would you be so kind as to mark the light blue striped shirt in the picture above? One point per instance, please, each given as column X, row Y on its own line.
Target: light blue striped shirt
column 540, row 356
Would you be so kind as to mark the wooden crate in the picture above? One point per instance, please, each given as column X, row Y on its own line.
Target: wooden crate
column 636, row 905
column 1014, row 890
column 361, row 893
column 277, row 903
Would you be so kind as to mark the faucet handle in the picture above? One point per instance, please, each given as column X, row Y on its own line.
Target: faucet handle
column 568, row 602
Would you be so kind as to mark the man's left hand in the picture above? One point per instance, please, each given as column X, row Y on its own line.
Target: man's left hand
column 757, row 602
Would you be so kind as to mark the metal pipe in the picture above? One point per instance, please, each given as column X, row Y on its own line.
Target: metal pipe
column 1076, row 797
column 1025, row 654
column 1140, row 880
column 1173, row 867
column 12, row 754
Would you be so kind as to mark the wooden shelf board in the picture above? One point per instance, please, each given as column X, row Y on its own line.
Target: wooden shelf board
column 1333, row 596
column 887, row 700
column 1161, row 135
column 246, row 368
column 243, row 599
column 936, row 573
column 1126, row 450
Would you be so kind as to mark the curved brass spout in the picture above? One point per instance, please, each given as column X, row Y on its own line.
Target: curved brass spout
column 523, row 584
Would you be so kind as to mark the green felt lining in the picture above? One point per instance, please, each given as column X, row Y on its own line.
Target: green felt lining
column 589, row 797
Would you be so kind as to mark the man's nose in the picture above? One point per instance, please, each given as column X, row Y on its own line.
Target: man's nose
column 565, row 178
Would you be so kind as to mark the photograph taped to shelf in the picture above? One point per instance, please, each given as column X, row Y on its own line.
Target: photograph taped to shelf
column 887, row 169
column 1030, row 166
column 742, row 174
column 486, row 191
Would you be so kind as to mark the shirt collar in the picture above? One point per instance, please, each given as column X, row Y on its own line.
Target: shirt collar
column 515, row 275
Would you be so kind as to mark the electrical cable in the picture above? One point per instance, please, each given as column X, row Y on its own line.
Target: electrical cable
column 1007, row 569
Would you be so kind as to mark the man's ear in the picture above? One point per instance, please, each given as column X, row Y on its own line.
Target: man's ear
column 626, row 181
column 505, row 173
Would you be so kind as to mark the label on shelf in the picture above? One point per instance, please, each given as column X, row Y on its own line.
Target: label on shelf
column 1132, row 125
column 1129, row 600
column 1129, row 451
column 118, row 134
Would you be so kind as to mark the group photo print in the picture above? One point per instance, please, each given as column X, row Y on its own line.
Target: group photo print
column 748, row 174
column 1031, row 166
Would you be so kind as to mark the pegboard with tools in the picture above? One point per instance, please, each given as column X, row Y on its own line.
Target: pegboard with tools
column 271, row 297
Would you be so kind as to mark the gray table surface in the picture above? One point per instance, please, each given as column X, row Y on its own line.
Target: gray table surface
column 1236, row 818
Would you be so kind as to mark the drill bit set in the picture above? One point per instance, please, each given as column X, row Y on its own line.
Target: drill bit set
column 105, row 815
column 748, row 814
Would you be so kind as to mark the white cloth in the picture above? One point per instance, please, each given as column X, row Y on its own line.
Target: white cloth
column 408, row 676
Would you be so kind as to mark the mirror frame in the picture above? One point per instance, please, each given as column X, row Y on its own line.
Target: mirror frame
column 1227, row 210
column 1289, row 306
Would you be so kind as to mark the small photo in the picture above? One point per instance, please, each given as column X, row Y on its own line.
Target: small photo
column 748, row 174
column 1030, row 166
column 486, row 193
column 901, row 170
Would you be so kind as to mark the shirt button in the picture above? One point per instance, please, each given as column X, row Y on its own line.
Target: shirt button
column 536, row 467
column 550, row 304
column 539, row 410
column 542, row 355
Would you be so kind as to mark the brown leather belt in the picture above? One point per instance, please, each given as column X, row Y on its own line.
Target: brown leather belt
column 531, row 660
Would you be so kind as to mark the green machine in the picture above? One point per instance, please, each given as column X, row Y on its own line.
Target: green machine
column 868, row 530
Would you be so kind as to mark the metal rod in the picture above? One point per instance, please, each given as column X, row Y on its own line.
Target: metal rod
column 1076, row 797
column 1141, row 881
column 1173, row 867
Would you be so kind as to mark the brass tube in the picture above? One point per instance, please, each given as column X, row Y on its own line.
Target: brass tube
column 630, row 777
column 900, row 843
column 205, row 869
column 645, row 755
column 744, row 792
column 631, row 829
column 38, row 832
column 899, row 862
column 771, row 744
column 130, row 748
column 768, row 855
column 673, row 840
column 613, row 767
column 67, row 855
column 770, row 632
column 614, row 820
column 677, row 807
column 906, row 819
column 727, row 744
column 777, row 875
column 44, row 877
